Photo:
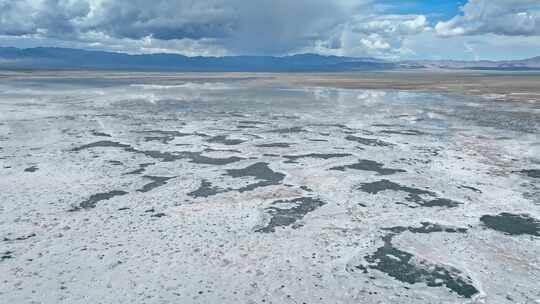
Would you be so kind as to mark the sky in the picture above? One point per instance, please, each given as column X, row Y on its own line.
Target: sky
column 388, row 29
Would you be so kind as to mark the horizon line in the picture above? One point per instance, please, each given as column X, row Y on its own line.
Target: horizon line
column 262, row 56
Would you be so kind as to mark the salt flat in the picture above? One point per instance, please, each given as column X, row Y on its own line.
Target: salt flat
column 160, row 188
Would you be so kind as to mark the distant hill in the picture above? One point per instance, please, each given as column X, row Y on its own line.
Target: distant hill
column 525, row 64
column 63, row 58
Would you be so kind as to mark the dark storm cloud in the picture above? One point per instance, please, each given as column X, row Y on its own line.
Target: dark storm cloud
column 283, row 25
column 60, row 17
column 239, row 25
column 343, row 27
column 165, row 20
column 12, row 18
column 254, row 26
column 20, row 17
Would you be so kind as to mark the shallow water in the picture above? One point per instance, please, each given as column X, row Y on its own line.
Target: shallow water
column 237, row 192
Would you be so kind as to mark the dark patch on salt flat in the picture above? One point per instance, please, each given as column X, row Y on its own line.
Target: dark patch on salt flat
column 340, row 126
column 100, row 134
column 166, row 137
column 142, row 168
column 194, row 157
column 20, row 238
column 379, row 125
column 291, row 212
column 6, row 255
column 254, row 186
column 440, row 202
column 415, row 161
column 414, row 194
column 92, row 201
column 287, row 117
column 162, row 156
column 512, row 224
column 206, row 190
column 306, row 188
column 407, row 268
column 157, row 181
column 102, row 144
column 534, row 173
column 200, row 134
column 167, row 133
column 427, row 228
column 429, row 151
column 470, row 188
column 31, row 169
column 369, row 165
column 275, row 145
column 288, row 130
column 222, row 150
column 222, row 139
column 383, row 185
column 294, row 158
column 369, row 141
column 252, row 122
column 198, row 158
column 259, row 171
column 163, row 139
column 404, row 132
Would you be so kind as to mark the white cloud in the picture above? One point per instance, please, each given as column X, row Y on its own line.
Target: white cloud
column 502, row 17
column 381, row 35
column 390, row 25
column 211, row 27
column 276, row 27
column 240, row 26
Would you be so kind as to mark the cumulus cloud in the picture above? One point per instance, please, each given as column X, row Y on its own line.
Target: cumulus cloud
column 247, row 26
column 381, row 35
column 387, row 32
column 14, row 18
column 163, row 19
column 502, row 17
column 217, row 26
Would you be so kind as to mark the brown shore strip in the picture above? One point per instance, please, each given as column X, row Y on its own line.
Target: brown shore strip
column 500, row 86
column 496, row 85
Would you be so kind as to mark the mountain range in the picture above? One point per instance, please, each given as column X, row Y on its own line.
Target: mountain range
column 46, row 58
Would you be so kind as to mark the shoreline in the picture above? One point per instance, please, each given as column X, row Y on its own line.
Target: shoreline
column 516, row 86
